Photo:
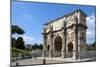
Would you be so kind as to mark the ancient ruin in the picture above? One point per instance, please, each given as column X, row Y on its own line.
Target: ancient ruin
column 65, row 37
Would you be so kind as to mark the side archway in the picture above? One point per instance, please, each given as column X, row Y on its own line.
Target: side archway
column 70, row 49
column 57, row 46
column 48, row 47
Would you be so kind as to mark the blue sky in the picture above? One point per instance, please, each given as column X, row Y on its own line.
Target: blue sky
column 31, row 16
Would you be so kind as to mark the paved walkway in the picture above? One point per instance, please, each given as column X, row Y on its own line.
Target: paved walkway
column 68, row 59
column 39, row 61
column 34, row 62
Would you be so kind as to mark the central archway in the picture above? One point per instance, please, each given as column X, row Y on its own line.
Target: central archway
column 58, row 45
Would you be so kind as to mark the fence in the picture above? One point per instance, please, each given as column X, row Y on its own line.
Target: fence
column 89, row 54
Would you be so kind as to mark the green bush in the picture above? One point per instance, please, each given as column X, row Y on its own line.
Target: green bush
column 15, row 52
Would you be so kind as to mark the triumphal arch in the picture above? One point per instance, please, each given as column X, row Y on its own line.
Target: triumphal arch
column 66, row 36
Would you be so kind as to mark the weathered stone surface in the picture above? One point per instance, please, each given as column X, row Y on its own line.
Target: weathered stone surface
column 66, row 35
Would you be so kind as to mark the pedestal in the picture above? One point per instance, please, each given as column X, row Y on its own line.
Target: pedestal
column 50, row 53
column 63, row 54
column 74, row 55
column 44, row 53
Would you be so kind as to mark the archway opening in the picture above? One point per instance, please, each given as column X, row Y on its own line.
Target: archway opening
column 58, row 43
column 70, row 49
column 58, row 46
column 48, row 47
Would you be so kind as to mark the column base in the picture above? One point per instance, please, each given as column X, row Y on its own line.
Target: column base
column 50, row 53
column 74, row 55
column 44, row 53
column 66, row 54
column 63, row 54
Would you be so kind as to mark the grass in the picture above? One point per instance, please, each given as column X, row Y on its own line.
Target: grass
column 16, row 52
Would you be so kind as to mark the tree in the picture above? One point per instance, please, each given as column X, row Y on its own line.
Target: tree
column 28, row 47
column 17, row 29
column 20, row 43
column 35, row 46
column 88, row 46
column 13, row 42
column 93, row 44
column 40, row 46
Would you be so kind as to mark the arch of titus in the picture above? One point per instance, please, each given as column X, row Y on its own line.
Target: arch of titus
column 66, row 36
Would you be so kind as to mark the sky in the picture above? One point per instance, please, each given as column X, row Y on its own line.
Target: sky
column 30, row 16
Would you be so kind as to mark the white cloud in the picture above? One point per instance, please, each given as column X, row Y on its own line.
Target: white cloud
column 91, row 19
column 91, row 28
column 27, row 39
column 25, row 16
column 90, row 33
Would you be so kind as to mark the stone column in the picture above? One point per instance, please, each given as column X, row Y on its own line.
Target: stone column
column 53, row 46
column 51, row 49
column 44, row 41
column 79, row 43
column 66, row 49
column 44, row 45
column 85, row 45
column 64, row 40
column 63, row 47
column 51, row 43
column 75, row 47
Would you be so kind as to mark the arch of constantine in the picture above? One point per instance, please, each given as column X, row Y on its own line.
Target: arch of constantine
column 66, row 36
